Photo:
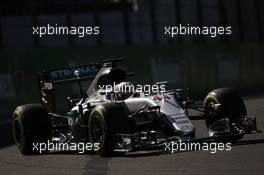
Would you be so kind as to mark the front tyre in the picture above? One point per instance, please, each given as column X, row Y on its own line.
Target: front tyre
column 98, row 134
column 232, row 106
column 105, row 122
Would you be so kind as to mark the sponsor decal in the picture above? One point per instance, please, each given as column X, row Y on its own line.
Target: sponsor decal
column 159, row 98
column 64, row 74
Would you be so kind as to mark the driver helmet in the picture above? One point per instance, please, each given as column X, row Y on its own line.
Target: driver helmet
column 124, row 90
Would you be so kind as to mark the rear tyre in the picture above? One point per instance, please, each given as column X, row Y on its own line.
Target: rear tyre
column 31, row 125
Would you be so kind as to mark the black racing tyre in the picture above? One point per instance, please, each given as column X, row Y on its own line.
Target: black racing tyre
column 31, row 124
column 105, row 121
column 232, row 105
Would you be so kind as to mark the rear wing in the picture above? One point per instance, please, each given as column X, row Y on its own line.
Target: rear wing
column 47, row 79
column 68, row 74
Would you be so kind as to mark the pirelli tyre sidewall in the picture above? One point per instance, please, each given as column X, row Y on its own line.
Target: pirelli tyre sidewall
column 108, row 119
column 232, row 104
column 31, row 124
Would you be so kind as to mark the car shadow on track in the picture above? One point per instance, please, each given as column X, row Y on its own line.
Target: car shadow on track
column 160, row 152
column 129, row 154
column 248, row 142
column 143, row 154
column 155, row 152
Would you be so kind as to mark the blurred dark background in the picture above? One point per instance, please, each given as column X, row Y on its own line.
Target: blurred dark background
column 134, row 30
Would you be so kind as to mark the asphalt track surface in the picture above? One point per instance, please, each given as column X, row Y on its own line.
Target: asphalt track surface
column 246, row 157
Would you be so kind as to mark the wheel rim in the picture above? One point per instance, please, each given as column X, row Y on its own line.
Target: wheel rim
column 211, row 112
column 97, row 131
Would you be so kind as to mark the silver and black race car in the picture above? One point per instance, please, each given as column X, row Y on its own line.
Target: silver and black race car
column 119, row 118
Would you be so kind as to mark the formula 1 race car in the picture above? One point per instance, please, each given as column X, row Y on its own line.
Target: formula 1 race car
column 118, row 118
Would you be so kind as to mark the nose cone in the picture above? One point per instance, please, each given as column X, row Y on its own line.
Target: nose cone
column 186, row 129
